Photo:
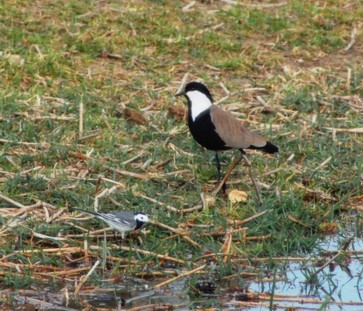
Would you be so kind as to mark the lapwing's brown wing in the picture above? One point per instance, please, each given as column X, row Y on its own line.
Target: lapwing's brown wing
column 232, row 131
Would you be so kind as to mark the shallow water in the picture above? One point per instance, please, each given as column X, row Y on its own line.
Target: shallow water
column 336, row 287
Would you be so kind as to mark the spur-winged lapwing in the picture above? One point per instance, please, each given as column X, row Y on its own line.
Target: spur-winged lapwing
column 216, row 129
column 120, row 221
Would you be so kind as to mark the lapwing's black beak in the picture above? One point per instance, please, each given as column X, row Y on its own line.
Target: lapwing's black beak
column 181, row 93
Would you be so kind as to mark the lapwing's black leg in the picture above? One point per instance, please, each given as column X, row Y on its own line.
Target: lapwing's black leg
column 249, row 165
column 224, row 186
column 218, row 168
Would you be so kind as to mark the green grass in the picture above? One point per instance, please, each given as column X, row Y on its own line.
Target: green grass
column 63, row 47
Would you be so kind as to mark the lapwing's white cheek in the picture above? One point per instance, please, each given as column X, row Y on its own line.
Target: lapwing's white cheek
column 200, row 102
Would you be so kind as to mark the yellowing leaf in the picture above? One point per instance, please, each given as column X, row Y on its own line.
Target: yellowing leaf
column 236, row 196
column 16, row 60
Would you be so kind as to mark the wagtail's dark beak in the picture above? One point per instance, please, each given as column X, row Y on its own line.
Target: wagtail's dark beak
column 181, row 93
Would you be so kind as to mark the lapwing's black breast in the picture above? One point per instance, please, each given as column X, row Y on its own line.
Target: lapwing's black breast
column 203, row 131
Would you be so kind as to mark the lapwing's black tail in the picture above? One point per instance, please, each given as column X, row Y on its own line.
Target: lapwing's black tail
column 268, row 148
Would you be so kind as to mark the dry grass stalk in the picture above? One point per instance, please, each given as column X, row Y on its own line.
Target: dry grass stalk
column 188, row 7
column 244, row 274
column 133, row 158
column 221, row 100
column 343, row 249
column 104, row 118
column 43, row 305
column 183, row 82
column 83, row 279
column 12, row 224
column 216, row 27
column 249, row 166
column 256, row 238
column 56, row 214
column 67, row 272
column 352, row 39
column 297, row 221
column 50, row 116
column 105, row 192
column 58, row 251
column 46, row 237
column 175, row 173
column 11, row 201
column 226, row 247
column 219, row 187
column 170, row 208
column 90, row 136
column 191, row 209
column 304, row 299
column 127, row 173
column 258, row 259
column 358, row 130
column 120, row 185
column 177, row 231
column 42, row 145
column 29, row 208
column 256, row 5
column 241, row 222
column 184, row 274
column 156, row 306
column 80, row 128
column 160, row 256
column 105, row 54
